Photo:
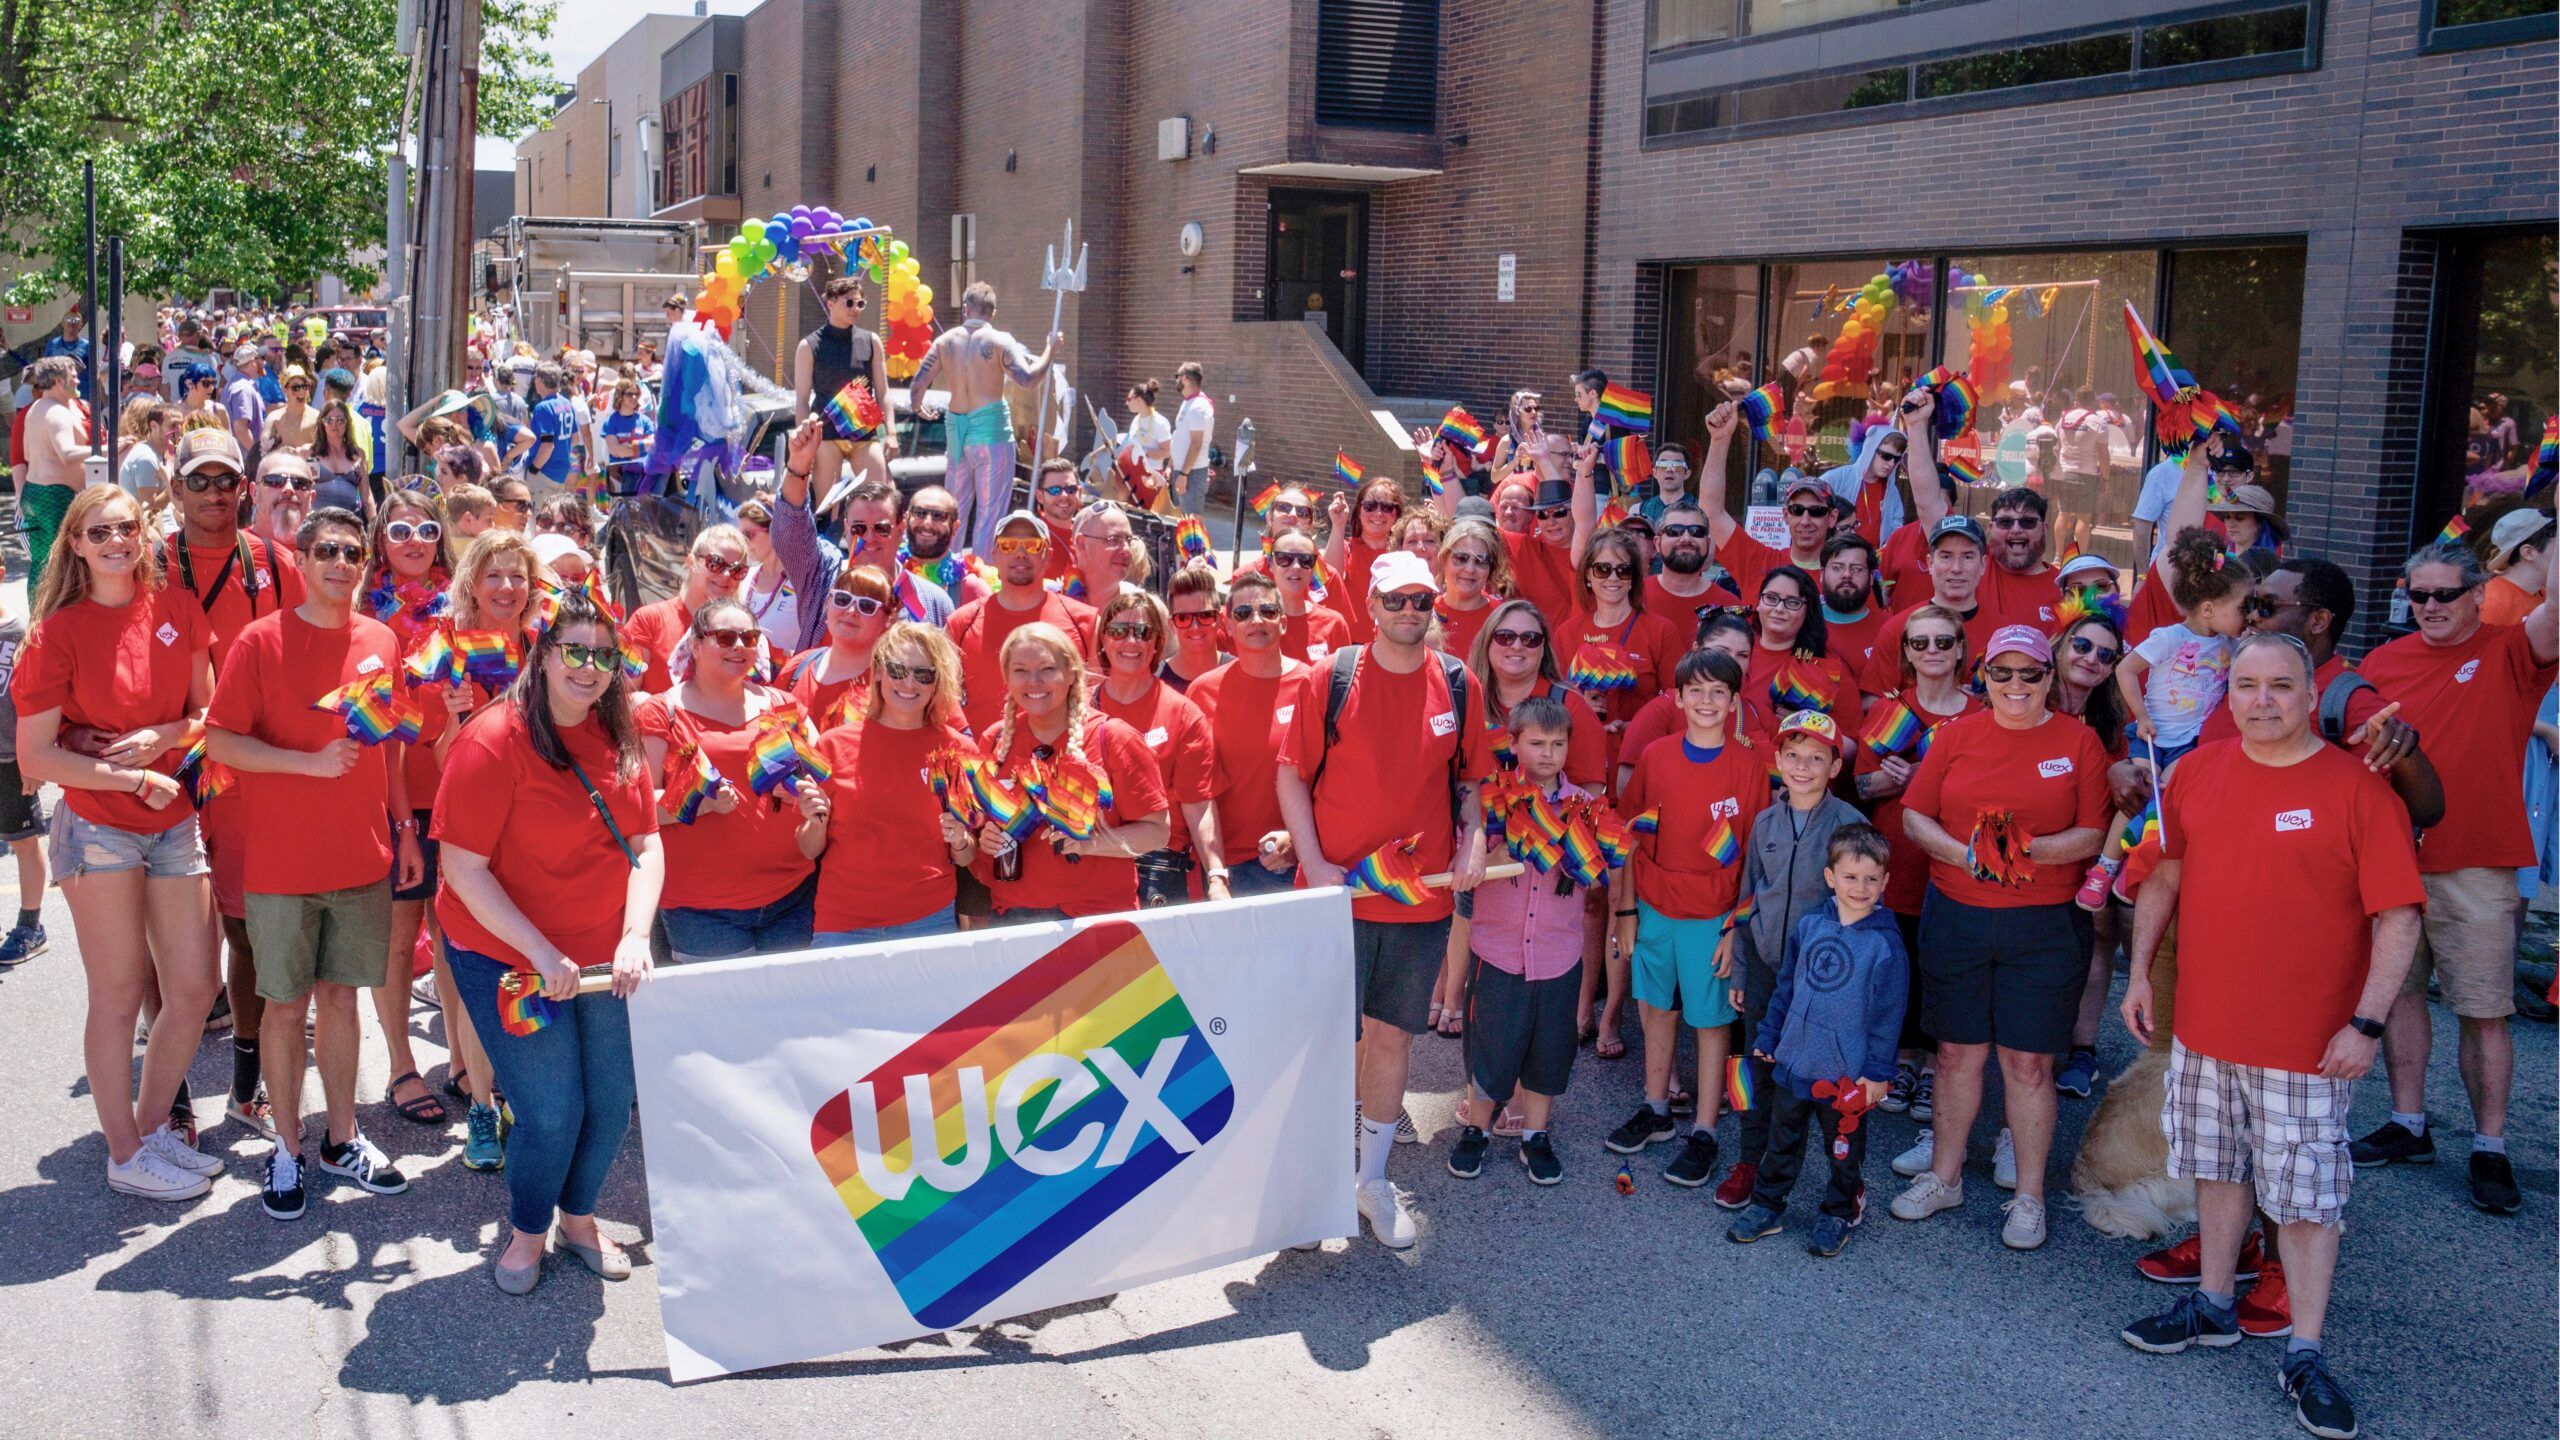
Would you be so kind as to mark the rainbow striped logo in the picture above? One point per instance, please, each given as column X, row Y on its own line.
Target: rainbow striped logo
column 1050, row 1102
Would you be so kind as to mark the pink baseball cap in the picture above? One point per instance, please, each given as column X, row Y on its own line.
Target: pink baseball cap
column 2021, row 639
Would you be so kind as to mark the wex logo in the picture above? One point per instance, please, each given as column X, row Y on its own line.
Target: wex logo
column 977, row 1154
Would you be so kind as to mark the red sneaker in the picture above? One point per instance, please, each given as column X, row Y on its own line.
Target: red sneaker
column 2183, row 1263
column 1738, row 1184
column 2266, row 1312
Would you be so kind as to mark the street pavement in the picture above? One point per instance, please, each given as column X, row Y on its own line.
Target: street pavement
column 1548, row 1313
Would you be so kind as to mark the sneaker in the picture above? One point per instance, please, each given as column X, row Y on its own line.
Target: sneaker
column 218, row 1019
column 1927, row 1196
column 182, row 1116
column 1924, row 1097
column 282, row 1193
column 1755, row 1224
column 1919, row 1157
column 2078, row 1075
column 1738, row 1184
column 2025, row 1230
column 2004, row 1162
column 363, row 1162
column 1466, row 1161
column 2094, row 887
column 2392, row 1144
column 2266, row 1312
column 254, row 1112
column 1897, row 1096
column 1509, row 1125
column 1642, row 1128
column 2187, row 1321
column 1695, row 1162
column 154, row 1178
column 422, row 991
column 1538, row 1157
column 2319, row 1401
column 23, row 943
column 1406, row 1134
column 1383, row 1206
column 2493, row 1184
column 2183, row 1263
column 1830, row 1233
column 165, row 1143
column 482, row 1148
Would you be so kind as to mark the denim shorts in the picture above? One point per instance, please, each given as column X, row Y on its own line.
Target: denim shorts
column 78, row 847
column 425, row 889
column 701, row 934
column 1252, row 878
column 940, row 922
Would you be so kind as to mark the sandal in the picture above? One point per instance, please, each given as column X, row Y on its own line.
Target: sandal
column 426, row 1109
column 1610, row 1045
column 456, row 1083
column 1453, row 1022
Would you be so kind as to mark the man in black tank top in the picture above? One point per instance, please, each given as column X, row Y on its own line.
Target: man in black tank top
column 830, row 356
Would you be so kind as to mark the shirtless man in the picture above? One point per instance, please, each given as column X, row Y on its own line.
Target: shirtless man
column 57, row 453
column 973, row 361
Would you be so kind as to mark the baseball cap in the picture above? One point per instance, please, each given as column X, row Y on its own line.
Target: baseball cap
column 199, row 448
column 1026, row 517
column 2513, row 529
column 2235, row 460
column 2246, row 500
column 2082, row 565
column 1401, row 570
column 1962, row 525
column 285, row 462
column 2019, row 640
column 551, row 549
column 1802, row 481
column 1810, row 722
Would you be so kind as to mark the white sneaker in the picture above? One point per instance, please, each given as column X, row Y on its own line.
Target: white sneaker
column 1927, row 1196
column 1919, row 1157
column 422, row 991
column 1382, row 1205
column 1406, row 1134
column 2025, row 1230
column 2004, row 1162
column 153, row 1178
column 164, row 1142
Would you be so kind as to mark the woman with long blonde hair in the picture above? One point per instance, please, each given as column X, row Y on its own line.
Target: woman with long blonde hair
column 1048, row 719
column 890, row 869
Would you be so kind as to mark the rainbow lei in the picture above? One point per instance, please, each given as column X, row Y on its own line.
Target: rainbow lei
column 374, row 713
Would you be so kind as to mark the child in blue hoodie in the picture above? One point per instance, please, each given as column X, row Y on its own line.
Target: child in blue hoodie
column 1835, row 1015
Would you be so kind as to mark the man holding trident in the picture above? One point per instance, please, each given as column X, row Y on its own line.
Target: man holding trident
column 972, row 361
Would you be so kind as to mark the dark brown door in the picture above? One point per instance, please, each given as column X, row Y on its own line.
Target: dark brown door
column 1319, row 265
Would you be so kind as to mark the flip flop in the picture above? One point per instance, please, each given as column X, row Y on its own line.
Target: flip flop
column 1609, row 1046
column 426, row 1109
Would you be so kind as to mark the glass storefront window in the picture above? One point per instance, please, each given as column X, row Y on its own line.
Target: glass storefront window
column 2235, row 318
column 2498, row 351
column 1714, row 320
column 1761, row 17
column 1691, row 22
column 1850, row 335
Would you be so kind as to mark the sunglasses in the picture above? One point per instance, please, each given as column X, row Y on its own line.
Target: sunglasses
column 730, row 639
column 1467, row 560
column 299, row 484
column 2014, row 522
column 2260, row 606
column 920, row 674
column 1609, row 570
column 209, row 478
column 403, row 531
column 590, row 657
column 881, row 529
column 1060, row 490
column 1403, row 600
column 1807, row 512
column 1242, row 614
column 330, row 552
column 937, row 517
column 858, row 604
column 2107, row 654
column 2004, row 674
column 734, row 569
column 2438, row 597
column 1684, row 532
column 113, row 530
column 1380, row 507
column 1195, row 620
column 1553, row 512
column 1292, row 560
column 1020, row 544
column 1300, row 512
column 516, row 507
column 1129, row 630
column 1510, row 639
column 1923, row 644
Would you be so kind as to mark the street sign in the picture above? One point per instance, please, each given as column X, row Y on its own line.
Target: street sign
column 1506, row 277
column 21, row 315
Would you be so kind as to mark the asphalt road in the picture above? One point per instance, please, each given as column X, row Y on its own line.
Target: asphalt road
column 1553, row 1313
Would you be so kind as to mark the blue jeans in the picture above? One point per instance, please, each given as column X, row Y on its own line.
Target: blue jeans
column 570, row 1085
column 1250, row 878
column 940, row 922
column 763, row 930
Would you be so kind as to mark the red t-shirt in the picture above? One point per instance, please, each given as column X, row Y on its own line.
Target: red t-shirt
column 2052, row 776
column 885, row 862
column 275, row 577
column 1313, row 633
column 1459, row 628
column 1694, row 802
column 1883, row 671
column 1177, row 735
column 2284, row 869
column 1904, row 563
column 1542, row 574
column 2022, row 599
column 2362, row 705
column 1661, row 719
column 738, row 861
column 1350, row 597
column 1249, row 719
column 1093, row 885
column 2150, row 608
column 655, row 630
column 1643, row 642
column 1906, row 880
column 979, row 630
column 116, row 668
column 1683, row 610
column 1587, row 761
column 1388, row 778
column 1851, row 642
column 1823, row 675
column 2473, row 704
column 306, row 836
column 817, row 698
column 547, row 848
column 1748, row 561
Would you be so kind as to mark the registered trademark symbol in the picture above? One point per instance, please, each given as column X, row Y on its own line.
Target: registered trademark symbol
column 1217, row 1024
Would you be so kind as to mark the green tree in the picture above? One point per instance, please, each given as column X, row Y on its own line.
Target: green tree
column 239, row 143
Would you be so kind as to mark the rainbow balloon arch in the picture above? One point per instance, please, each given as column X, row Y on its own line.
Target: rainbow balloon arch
column 785, row 243
column 1851, row 362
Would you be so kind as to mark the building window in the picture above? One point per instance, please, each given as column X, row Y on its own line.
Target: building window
column 613, row 153
column 2226, row 37
column 2235, row 318
column 1713, row 326
column 1762, row 17
column 2465, row 24
column 1377, row 63
column 568, row 158
column 729, row 135
column 1843, row 352
column 2031, row 65
column 1674, row 23
column 2495, row 354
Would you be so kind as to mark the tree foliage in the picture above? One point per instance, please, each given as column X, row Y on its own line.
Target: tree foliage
column 239, row 143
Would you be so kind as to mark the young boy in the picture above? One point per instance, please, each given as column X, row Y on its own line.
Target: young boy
column 468, row 510
column 1783, row 875
column 1524, row 974
column 1835, row 1014
column 1674, row 904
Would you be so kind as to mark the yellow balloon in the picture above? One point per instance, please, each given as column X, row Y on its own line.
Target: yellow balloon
column 726, row 267
column 924, row 294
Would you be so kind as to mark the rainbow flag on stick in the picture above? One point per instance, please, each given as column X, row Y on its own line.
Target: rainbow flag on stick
column 1617, row 840
column 1961, row 471
column 1796, row 689
column 1191, row 537
column 690, row 782
column 1067, row 796
column 522, row 1007
column 1894, row 728
column 1432, row 480
column 947, row 771
column 784, row 752
column 635, row 663
column 1648, row 823
column 1738, row 1089
column 202, row 778
column 2182, row 412
column 1390, row 871
column 1347, row 472
column 2454, row 529
column 854, row 413
column 1627, row 409
column 1722, row 845
column 491, row 657
column 1760, row 408
column 1629, row 459
column 432, row 663
column 1001, row 801
column 374, row 713
column 1260, row 504
column 1601, row 671
column 1463, row 430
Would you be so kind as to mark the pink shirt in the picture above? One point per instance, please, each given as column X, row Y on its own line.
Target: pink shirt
column 1523, row 927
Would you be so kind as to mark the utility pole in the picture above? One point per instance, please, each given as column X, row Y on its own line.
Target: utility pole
column 433, row 250
column 89, row 298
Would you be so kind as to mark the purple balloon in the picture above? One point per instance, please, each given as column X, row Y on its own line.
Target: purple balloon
column 802, row 226
column 800, row 212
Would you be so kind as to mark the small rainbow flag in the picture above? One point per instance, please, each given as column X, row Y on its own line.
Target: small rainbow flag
column 1722, row 846
column 2548, row 455
column 1463, row 430
column 1617, row 839
column 1648, row 823
column 546, row 609
column 635, row 663
column 1067, row 796
column 1894, row 728
column 1613, row 513
column 1001, row 801
column 1629, row 459
column 1346, row 471
column 374, row 713
column 1601, row 670
column 1498, row 737
column 1795, row 689
column 946, row 772
column 2144, row 847
column 1191, row 537
column 1260, row 504
column 2163, row 380
column 1585, row 862
column 784, row 751
column 1432, row 480
column 854, row 413
column 491, row 657
column 1390, row 871
column 690, row 782
column 202, row 778
column 432, row 663
column 1627, row 409
column 522, row 1007
column 2454, row 529
column 1742, row 909
column 1760, row 408
column 1533, row 847
column 1960, row 470
column 1739, row 1092
column 1957, row 402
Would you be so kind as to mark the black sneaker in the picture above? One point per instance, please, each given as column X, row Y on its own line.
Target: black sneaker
column 2392, row 1144
column 2319, row 1401
column 1642, row 1128
column 282, row 1193
column 1696, row 1162
column 1755, row 1224
column 1538, row 1157
column 2186, row 1322
column 2493, row 1184
column 182, row 1116
column 1466, row 1161
column 363, row 1162
column 23, row 943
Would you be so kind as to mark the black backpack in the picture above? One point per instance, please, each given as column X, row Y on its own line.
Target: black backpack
column 2333, row 704
column 1345, row 662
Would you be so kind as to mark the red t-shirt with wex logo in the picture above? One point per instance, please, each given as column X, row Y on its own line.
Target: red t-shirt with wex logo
column 2052, row 776
column 1388, row 776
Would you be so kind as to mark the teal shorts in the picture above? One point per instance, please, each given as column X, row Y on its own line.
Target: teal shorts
column 989, row 424
column 1675, row 963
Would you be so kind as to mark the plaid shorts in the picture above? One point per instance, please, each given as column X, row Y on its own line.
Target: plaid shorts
column 2288, row 1129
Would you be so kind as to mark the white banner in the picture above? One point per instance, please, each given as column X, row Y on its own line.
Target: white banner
column 1113, row 1101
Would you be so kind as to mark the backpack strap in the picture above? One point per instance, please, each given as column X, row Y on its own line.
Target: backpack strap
column 2333, row 704
column 1337, row 693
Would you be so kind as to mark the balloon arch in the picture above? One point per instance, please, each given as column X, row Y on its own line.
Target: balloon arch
column 784, row 244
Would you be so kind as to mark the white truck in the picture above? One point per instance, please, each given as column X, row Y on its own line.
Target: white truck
column 591, row 284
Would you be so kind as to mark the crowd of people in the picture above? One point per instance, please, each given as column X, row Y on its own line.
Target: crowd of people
column 1874, row 807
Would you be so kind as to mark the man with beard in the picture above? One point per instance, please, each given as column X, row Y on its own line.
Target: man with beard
column 932, row 519
column 980, row 628
column 2018, row 586
column 1851, row 618
column 1684, row 589
column 973, row 360
column 1808, row 507
column 283, row 495
column 872, row 527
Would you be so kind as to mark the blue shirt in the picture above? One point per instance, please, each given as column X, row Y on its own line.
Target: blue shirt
column 555, row 419
column 618, row 425
column 78, row 350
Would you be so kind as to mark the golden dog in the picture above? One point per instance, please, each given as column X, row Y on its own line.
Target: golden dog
column 2120, row 1179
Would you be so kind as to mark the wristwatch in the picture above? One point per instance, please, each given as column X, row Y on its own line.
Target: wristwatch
column 2369, row 1029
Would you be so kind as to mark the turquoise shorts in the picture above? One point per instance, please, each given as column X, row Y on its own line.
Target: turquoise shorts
column 1675, row 962
column 989, row 424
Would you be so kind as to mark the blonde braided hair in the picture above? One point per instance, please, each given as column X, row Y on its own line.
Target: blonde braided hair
column 1063, row 650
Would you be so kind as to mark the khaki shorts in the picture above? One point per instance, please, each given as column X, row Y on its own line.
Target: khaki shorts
column 2468, row 941
column 341, row 936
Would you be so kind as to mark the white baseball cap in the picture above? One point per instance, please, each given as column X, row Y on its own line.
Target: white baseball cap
column 1400, row 570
